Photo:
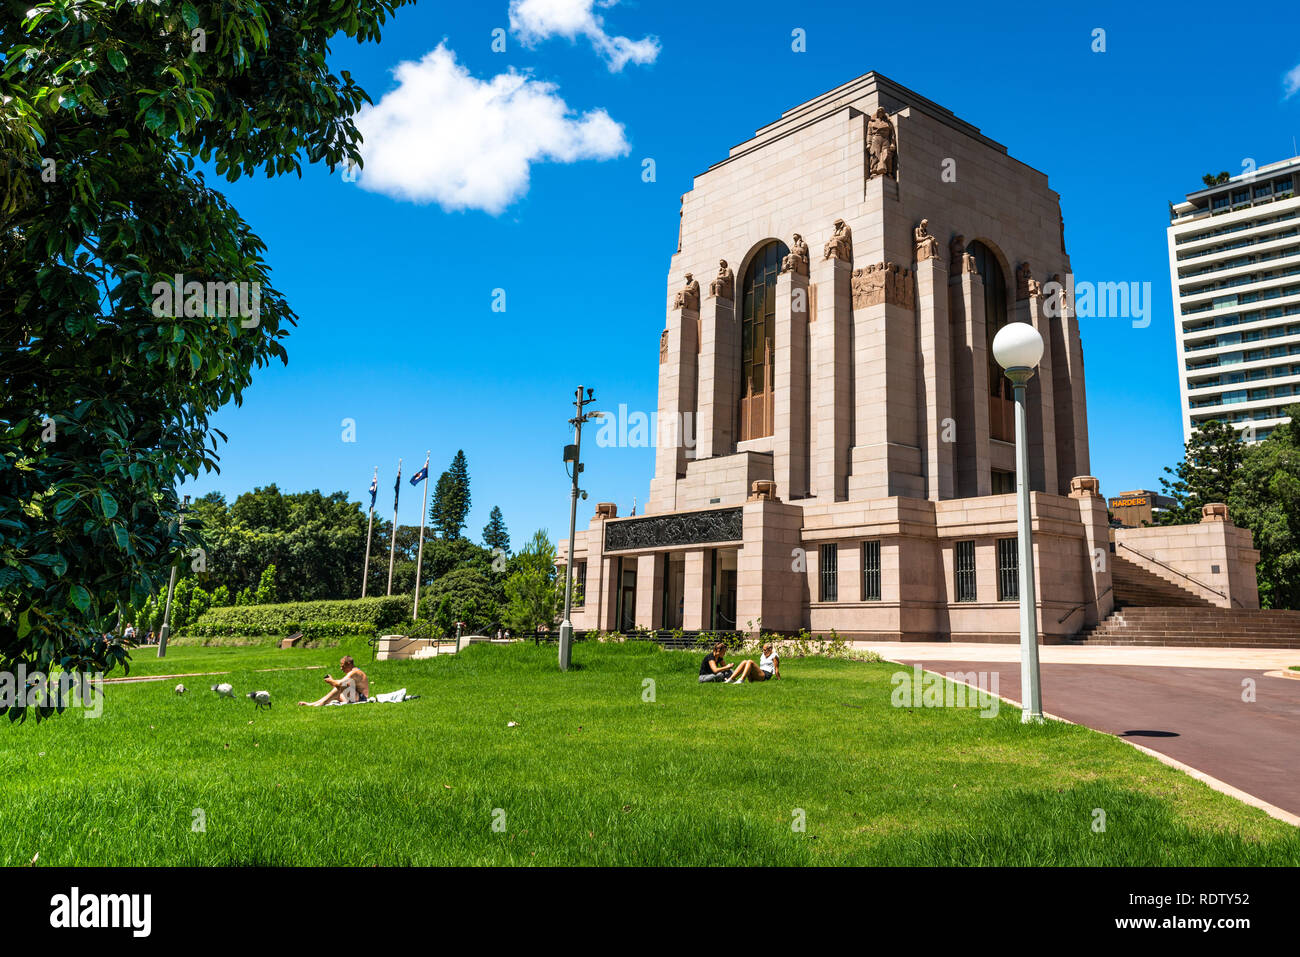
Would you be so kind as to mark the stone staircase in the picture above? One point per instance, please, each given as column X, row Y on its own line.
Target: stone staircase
column 1136, row 586
column 1153, row 610
column 1191, row 626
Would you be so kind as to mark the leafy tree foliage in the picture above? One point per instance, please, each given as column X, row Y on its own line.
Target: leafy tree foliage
column 450, row 505
column 314, row 543
column 1260, row 484
column 1266, row 499
column 467, row 594
column 106, row 108
column 1207, row 473
column 534, row 593
column 495, row 533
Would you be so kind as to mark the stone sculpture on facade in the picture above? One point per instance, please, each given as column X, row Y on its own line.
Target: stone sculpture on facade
column 840, row 245
column 1024, row 275
column 724, row 287
column 883, row 282
column 882, row 154
column 956, row 252
column 796, row 260
column 663, row 346
column 688, row 297
column 927, row 247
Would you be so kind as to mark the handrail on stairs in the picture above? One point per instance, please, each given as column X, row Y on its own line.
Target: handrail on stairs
column 1152, row 558
column 1061, row 620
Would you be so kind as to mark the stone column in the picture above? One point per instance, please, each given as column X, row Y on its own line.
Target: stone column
column 1038, row 399
column 790, row 383
column 937, row 430
column 697, row 598
column 719, row 378
column 831, row 389
column 678, row 368
column 971, row 384
column 1098, row 595
column 649, row 591
column 597, row 598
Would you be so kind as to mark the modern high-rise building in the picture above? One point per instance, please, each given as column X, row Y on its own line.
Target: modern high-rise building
column 1234, row 264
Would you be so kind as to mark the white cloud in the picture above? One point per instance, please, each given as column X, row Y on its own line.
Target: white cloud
column 444, row 136
column 537, row 20
column 1291, row 80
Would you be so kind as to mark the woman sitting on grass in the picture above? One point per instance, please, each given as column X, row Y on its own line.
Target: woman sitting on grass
column 714, row 667
column 767, row 666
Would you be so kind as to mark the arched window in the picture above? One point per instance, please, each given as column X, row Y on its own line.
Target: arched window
column 995, row 317
column 757, row 328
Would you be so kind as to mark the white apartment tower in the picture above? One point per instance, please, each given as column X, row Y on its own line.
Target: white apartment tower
column 1234, row 265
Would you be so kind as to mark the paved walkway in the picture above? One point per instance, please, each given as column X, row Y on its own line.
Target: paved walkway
column 1191, row 711
column 1260, row 659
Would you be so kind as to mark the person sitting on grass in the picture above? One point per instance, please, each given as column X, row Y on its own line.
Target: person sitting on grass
column 768, row 666
column 352, row 688
column 714, row 667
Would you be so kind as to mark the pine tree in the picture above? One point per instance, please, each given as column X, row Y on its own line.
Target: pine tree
column 450, row 506
column 495, row 534
column 1211, row 458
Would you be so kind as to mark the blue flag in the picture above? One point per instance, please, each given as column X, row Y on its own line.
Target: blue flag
column 421, row 475
column 397, row 487
column 374, row 489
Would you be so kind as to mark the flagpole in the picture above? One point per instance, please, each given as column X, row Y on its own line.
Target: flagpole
column 419, row 560
column 370, row 526
column 392, row 548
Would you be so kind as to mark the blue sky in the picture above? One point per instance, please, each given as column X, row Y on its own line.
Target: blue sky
column 394, row 277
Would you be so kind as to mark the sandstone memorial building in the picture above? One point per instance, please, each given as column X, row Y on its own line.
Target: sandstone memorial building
column 835, row 442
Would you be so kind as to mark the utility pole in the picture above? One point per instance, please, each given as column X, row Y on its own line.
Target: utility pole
column 370, row 525
column 572, row 453
column 171, row 587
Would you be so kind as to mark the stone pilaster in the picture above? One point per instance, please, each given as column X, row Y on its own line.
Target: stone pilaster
column 1039, row 401
column 678, row 371
column 719, row 362
column 1071, row 405
column 970, row 385
column 770, row 592
column 790, row 384
column 885, row 459
column 831, row 386
column 937, row 429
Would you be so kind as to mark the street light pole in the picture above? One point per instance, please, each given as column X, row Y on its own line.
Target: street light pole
column 572, row 454
column 1018, row 348
column 171, row 587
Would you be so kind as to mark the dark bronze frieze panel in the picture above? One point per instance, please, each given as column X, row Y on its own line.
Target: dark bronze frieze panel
column 675, row 528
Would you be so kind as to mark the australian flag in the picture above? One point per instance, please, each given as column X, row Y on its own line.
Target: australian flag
column 374, row 489
column 421, row 475
column 397, row 487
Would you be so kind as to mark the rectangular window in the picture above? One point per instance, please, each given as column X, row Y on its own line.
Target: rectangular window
column 1008, row 569
column 829, row 572
column 579, row 584
column 964, row 564
column 871, row 571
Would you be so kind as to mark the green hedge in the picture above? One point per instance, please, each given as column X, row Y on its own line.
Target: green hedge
column 315, row 619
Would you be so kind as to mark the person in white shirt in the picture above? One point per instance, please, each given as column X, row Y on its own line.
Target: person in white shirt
column 767, row 667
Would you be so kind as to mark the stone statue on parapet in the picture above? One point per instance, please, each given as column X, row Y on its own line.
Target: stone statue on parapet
column 688, row 297
column 796, row 260
column 882, row 154
column 724, row 287
column 927, row 247
column 840, row 245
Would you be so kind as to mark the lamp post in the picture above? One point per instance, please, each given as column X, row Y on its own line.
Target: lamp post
column 572, row 455
column 1018, row 348
column 171, row 587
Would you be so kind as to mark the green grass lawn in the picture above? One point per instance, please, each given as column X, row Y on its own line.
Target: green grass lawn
column 592, row 774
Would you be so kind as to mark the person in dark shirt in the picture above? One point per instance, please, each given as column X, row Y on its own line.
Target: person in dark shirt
column 714, row 667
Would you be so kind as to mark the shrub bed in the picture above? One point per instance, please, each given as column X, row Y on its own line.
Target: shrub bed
column 315, row 619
